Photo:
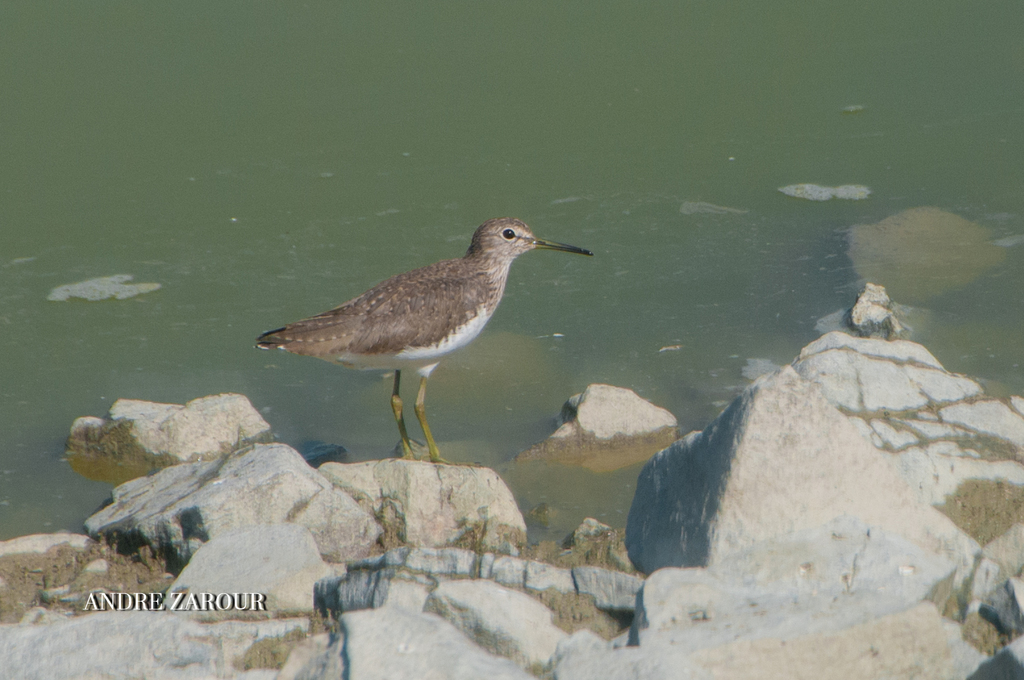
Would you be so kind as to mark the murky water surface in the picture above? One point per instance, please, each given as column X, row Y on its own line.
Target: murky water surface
column 265, row 162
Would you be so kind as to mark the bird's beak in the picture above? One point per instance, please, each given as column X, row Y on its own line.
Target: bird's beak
column 551, row 245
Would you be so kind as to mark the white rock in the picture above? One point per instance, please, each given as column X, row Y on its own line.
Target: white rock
column 113, row 645
column 1018, row 404
column 304, row 659
column 179, row 508
column 934, row 430
column 99, row 566
column 505, row 622
column 438, row 504
column 989, row 417
column 900, row 351
column 873, row 315
column 966, row 658
column 606, row 411
column 280, row 561
column 40, row 543
column 940, row 386
column 508, row 571
column 584, row 656
column 102, row 288
column 393, row 644
column 936, row 472
column 897, row 439
column 202, row 429
column 779, row 459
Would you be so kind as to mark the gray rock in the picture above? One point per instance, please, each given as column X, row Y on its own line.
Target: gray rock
column 505, row 622
column 363, row 589
column 779, row 459
column 164, row 434
column 874, row 315
column 813, row 581
column 1006, row 664
column 97, row 566
column 585, row 656
column 40, row 543
column 938, row 470
column 178, row 509
column 966, row 659
column 899, row 351
column 394, row 644
column 435, row 505
column 1008, row 550
column 1005, row 605
column 541, row 577
column 907, row 644
column 508, row 571
column 590, row 528
column 987, row 577
column 280, row 561
column 892, row 437
column 309, row 658
column 989, row 417
column 611, row 590
column 113, row 645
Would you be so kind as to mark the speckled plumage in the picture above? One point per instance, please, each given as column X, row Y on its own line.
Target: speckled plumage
column 412, row 319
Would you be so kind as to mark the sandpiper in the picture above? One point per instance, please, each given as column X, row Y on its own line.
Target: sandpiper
column 413, row 319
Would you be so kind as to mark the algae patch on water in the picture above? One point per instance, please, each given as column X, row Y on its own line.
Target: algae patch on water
column 102, row 288
column 921, row 252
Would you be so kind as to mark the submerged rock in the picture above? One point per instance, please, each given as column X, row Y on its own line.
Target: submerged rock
column 874, row 315
column 606, row 428
column 138, row 437
column 921, row 252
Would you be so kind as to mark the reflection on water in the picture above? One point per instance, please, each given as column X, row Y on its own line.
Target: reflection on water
column 267, row 163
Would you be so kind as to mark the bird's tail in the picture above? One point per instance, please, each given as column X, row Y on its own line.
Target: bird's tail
column 269, row 340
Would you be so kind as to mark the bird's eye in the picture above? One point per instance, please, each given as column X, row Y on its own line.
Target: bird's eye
column 508, row 234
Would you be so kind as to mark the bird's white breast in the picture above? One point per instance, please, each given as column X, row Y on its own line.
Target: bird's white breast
column 460, row 337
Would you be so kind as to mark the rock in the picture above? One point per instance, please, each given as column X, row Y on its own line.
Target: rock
column 1008, row 550
column 1005, row 607
column 430, row 505
column 502, row 621
column 393, row 644
column 363, row 589
column 966, row 658
column 280, row 561
column 589, row 658
column 590, row 529
column 508, row 571
column 102, row 288
column 779, row 459
column 541, row 577
column 824, row 579
column 989, row 417
column 1006, row 664
column 141, row 436
column 112, row 645
column 874, row 316
column 40, row 543
column 922, row 252
column 908, row 644
column 605, row 428
column 303, row 656
column 98, row 566
column 816, row 192
column 611, row 590
column 178, row 509
column 866, row 374
column 987, row 576
column 936, row 472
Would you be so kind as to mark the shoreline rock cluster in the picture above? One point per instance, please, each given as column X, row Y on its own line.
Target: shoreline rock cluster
column 801, row 531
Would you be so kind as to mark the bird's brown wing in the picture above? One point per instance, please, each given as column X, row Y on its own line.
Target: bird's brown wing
column 414, row 309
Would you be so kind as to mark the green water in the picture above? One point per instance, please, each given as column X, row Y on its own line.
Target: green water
column 264, row 162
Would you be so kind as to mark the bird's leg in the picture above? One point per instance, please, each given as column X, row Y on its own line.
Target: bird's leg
column 421, row 414
column 396, row 406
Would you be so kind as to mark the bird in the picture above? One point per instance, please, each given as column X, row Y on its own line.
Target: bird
column 411, row 320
